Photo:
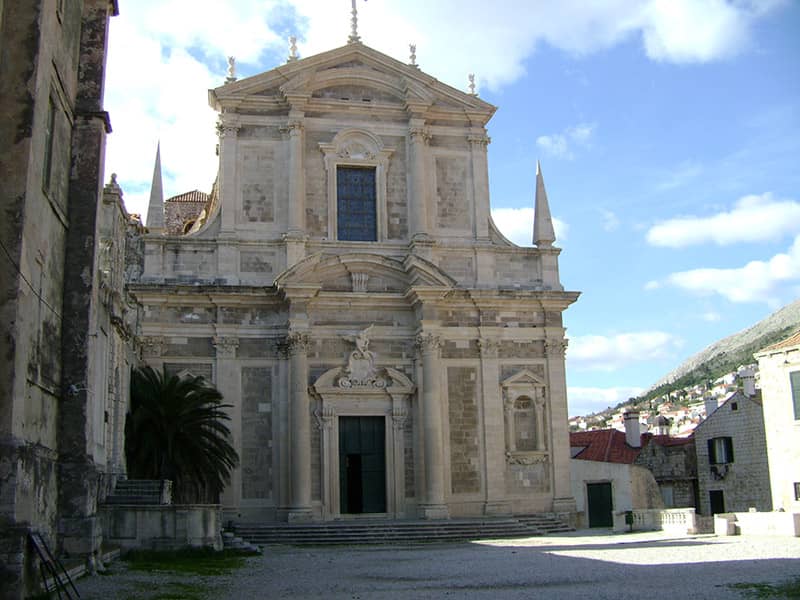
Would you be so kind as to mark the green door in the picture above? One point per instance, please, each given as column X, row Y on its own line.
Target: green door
column 362, row 465
column 598, row 497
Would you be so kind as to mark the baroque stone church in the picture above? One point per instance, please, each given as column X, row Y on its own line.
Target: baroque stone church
column 386, row 350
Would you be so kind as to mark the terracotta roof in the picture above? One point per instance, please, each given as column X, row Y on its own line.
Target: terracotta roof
column 193, row 196
column 609, row 445
column 792, row 340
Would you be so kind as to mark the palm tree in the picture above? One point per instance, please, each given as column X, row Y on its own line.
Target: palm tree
column 176, row 431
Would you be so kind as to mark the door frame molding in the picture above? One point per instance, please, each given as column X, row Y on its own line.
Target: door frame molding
column 391, row 398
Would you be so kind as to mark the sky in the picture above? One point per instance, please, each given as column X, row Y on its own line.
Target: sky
column 668, row 133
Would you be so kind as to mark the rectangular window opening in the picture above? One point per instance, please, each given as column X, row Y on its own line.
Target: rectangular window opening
column 794, row 380
column 356, row 210
column 720, row 451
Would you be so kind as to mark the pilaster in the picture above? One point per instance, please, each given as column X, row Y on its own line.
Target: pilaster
column 228, row 383
column 555, row 349
column 418, row 201
column 494, row 464
column 480, row 180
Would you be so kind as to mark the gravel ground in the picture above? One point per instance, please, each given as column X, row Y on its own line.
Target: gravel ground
column 575, row 565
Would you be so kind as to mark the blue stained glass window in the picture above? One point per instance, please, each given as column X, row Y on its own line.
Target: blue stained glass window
column 356, row 217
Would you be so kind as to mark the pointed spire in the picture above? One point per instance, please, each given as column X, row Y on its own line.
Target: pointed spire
column 155, row 210
column 543, row 233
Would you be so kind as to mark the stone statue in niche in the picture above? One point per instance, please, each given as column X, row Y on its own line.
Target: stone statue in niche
column 360, row 370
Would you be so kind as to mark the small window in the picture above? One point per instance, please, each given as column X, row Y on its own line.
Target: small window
column 720, row 451
column 797, row 490
column 734, row 406
column 794, row 379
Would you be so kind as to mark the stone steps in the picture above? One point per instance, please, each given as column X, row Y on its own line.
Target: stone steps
column 383, row 532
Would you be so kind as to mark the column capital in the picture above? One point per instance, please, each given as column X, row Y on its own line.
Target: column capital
column 420, row 135
column 555, row 347
column 153, row 345
column 488, row 347
column 226, row 346
column 294, row 127
column 480, row 140
column 399, row 416
column 228, row 126
column 325, row 418
column 298, row 342
column 428, row 343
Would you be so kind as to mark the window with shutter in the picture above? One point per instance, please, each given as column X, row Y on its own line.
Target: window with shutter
column 794, row 380
column 720, row 451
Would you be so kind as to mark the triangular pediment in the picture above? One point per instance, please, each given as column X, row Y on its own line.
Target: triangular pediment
column 346, row 72
column 523, row 378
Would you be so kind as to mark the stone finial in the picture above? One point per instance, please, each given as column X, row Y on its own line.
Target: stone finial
column 231, row 70
column 354, row 38
column 472, row 91
column 543, row 233
column 292, row 49
column 412, row 48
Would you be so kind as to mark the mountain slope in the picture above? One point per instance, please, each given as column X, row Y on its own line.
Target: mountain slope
column 728, row 353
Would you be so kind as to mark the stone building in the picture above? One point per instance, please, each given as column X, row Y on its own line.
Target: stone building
column 387, row 351
column 65, row 322
column 732, row 467
column 779, row 368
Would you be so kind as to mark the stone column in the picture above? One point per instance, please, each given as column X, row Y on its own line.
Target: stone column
column 398, row 482
column 227, row 383
column 299, row 429
column 228, row 128
column 480, row 183
column 494, row 445
column 228, row 253
column 433, row 506
column 297, row 187
column 418, row 226
column 511, row 431
column 538, row 407
column 328, row 450
column 563, row 501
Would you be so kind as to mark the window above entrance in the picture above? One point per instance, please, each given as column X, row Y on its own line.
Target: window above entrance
column 356, row 163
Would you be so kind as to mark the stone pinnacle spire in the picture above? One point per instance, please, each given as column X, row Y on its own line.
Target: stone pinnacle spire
column 155, row 210
column 543, row 233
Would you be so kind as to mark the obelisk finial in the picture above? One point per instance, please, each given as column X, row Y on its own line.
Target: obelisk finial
column 354, row 39
column 292, row 49
column 472, row 91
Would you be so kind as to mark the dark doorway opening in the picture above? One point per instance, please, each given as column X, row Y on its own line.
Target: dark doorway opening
column 598, row 497
column 717, row 499
column 362, row 465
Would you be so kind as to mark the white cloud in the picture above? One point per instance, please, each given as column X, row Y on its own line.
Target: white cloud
column 587, row 400
column 769, row 281
column 610, row 220
column 711, row 316
column 561, row 145
column 517, row 225
column 752, row 219
column 163, row 57
column 610, row 353
column 680, row 176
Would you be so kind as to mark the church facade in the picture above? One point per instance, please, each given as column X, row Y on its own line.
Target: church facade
column 386, row 350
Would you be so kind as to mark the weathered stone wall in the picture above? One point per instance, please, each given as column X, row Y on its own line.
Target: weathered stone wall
column 256, row 453
column 746, row 481
column 462, row 402
column 781, row 424
column 397, row 190
column 674, row 468
column 452, row 206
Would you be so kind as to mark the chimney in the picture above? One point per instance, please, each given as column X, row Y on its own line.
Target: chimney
column 711, row 405
column 748, row 377
column 633, row 434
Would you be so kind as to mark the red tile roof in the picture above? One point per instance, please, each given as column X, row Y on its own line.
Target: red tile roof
column 792, row 340
column 193, row 196
column 609, row 445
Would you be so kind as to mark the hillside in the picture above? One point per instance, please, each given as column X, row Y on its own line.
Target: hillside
column 728, row 353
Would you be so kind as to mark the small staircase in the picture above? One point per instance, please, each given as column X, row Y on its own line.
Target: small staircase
column 361, row 532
